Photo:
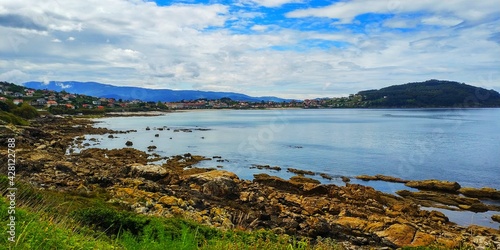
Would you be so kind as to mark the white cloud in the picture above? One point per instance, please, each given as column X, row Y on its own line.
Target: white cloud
column 14, row 75
column 62, row 85
column 218, row 47
column 347, row 11
column 275, row 3
column 441, row 21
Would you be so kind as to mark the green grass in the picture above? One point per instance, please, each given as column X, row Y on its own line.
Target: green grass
column 12, row 118
column 55, row 220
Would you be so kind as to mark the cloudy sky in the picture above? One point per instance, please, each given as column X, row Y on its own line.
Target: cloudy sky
column 286, row 48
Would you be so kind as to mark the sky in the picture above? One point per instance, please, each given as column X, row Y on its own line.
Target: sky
column 286, row 48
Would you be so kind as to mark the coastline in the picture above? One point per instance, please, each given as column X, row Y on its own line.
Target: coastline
column 354, row 214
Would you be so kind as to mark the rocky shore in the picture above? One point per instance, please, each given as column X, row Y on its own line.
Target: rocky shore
column 358, row 216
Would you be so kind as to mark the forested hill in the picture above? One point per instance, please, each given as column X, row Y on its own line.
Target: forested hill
column 431, row 93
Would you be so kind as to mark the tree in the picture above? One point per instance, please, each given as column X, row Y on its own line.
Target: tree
column 4, row 107
column 26, row 111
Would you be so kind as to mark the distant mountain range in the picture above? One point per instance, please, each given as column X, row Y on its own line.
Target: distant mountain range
column 144, row 94
column 429, row 94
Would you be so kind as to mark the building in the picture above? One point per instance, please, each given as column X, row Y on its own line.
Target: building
column 17, row 101
column 51, row 103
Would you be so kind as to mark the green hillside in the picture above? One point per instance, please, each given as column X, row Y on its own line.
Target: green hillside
column 429, row 94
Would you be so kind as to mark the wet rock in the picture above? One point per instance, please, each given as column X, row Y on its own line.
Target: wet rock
column 302, row 179
column 300, row 172
column 435, row 185
column 266, row 167
column 484, row 192
column 345, row 179
column 366, row 178
column 496, row 217
column 380, row 177
column 326, row 176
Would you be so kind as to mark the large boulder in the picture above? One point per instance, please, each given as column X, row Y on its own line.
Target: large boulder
column 148, row 172
column 217, row 183
column 435, row 185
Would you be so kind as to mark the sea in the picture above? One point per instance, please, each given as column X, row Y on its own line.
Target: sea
column 461, row 145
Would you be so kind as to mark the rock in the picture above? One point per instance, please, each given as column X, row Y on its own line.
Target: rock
column 300, row 172
column 366, row 178
column 171, row 201
column 129, row 143
column 434, row 185
column 345, row 179
column 157, row 135
column 423, row 197
column 399, row 234
column 380, row 177
column 111, row 136
column 277, row 183
column 422, row 239
column 438, row 216
column 267, row 167
column 218, row 183
column 149, row 172
column 484, row 192
column 302, row 179
column 496, row 217
column 390, row 178
column 326, row 176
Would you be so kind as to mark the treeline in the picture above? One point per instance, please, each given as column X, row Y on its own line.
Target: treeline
column 430, row 94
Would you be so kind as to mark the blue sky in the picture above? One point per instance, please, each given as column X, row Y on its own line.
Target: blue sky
column 287, row 48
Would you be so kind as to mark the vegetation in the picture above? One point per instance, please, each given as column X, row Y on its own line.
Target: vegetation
column 432, row 93
column 55, row 220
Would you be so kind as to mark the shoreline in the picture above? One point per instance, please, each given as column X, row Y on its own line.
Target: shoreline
column 298, row 206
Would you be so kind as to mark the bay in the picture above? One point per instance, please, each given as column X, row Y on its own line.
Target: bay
column 460, row 145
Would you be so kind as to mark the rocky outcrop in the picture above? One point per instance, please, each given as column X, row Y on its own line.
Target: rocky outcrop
column 380, row 177
column 428, row 198
column 435, row 185
column 300, row 171
column 485, row 192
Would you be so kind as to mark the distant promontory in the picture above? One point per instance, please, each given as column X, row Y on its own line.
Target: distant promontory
column 431, row 94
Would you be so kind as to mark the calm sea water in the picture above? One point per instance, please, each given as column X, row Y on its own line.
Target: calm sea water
column 460, row 145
